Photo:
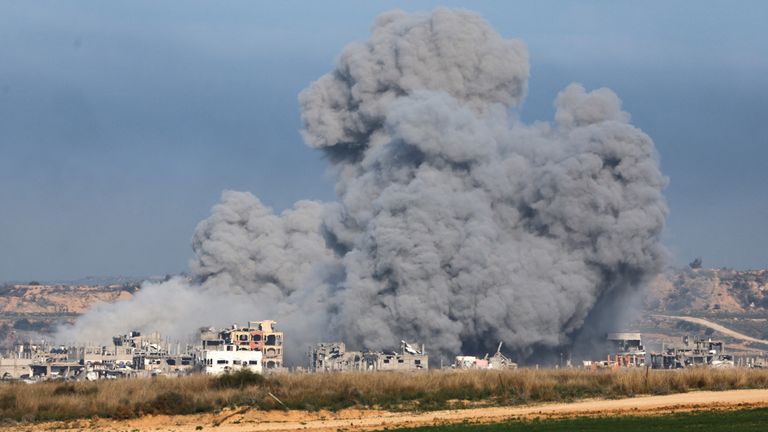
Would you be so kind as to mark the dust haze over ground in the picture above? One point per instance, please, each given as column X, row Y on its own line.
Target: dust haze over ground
column 456, row 224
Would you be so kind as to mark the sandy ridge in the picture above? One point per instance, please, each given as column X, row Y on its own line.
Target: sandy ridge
column 716, row 327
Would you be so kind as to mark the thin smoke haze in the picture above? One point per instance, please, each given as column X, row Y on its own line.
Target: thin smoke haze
column 456, row 224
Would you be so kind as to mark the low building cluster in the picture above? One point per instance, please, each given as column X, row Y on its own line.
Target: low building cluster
column 256, row 347
column 497, row 361
column 259, row 347
column 696, row 352
column 626, row 350
column 334, row 357
column 130, row 355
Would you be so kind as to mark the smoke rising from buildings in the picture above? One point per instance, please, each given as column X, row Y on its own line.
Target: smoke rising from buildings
column 456, row 224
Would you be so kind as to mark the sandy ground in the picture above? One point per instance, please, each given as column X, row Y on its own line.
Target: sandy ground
column 716, row 327
column 360, row 420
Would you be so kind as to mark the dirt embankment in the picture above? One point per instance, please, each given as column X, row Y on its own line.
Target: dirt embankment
column 58, row 299
column 715, row 326
column 363, row 420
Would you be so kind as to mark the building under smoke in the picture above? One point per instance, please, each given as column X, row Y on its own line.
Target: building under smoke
column 455, row 223
column 625, row 349
column 334, row 357
column 496, row 361
column 690, row 353
column 223, row 349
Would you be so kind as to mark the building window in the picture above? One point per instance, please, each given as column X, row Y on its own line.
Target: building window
column 222, row 362
column 253, row 362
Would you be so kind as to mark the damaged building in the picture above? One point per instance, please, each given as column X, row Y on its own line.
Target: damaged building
column 334, row 357
column 497, row 361
column 130, row 355
column 625, row 350
column 690, row 353
column 257, row 346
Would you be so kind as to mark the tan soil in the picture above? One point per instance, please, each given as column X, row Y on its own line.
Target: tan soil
column 360, row 420
column 56, row 299
column 716, row 327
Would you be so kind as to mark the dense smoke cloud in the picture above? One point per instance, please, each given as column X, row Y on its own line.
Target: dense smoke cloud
column 456, row 224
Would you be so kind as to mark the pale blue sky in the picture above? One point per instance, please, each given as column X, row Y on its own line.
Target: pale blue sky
column 121, row 122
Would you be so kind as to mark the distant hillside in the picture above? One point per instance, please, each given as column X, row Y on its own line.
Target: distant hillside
column 29, row 311
column 708, row 291
column 735, row 299
column 23, row 299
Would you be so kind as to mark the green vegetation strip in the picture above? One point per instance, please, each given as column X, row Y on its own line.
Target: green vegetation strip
column 710, row 421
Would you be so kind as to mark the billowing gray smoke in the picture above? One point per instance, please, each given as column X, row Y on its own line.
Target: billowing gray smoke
column 456, row 224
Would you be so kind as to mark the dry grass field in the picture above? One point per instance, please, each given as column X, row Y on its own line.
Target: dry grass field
column 124, row 399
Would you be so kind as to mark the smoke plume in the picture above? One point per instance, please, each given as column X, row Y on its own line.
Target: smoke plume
column 456, row 224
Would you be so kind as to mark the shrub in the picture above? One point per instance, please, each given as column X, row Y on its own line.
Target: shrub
column 239, row 380
column 169, row 402
column 72, row 389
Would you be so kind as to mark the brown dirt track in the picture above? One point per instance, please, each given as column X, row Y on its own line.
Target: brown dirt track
column 359, row 420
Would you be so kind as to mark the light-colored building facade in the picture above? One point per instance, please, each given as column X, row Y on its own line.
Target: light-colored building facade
column 218, row 361
column 334, row 357
column 261, row 336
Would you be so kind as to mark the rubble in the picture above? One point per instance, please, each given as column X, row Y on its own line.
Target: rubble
column 699, row 352
column 256, row 347
column 334, row 357
column 626, row 350
column 497, row 361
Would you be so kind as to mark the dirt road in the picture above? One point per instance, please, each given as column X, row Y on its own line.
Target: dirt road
column 359, row 420
column 716, row 327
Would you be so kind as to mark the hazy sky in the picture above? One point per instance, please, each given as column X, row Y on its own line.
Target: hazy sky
column 122, row 122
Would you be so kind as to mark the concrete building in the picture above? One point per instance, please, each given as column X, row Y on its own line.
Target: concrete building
column 334, row 357
column 129, row 355
column 15, row 368
column 257, row 336
column 218, row 362
column 696, row 352
column 497, row 361
column 625, row 350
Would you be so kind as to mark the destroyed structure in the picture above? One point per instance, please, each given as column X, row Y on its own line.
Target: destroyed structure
column 334, row 357
column 129, row 355
column 18, row 362
column 699, row 352
column 256, row 346
column 625, row 350
column 497, row 361
column 217, row 362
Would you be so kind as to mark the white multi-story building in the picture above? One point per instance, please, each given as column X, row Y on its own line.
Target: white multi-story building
column 231, row 360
